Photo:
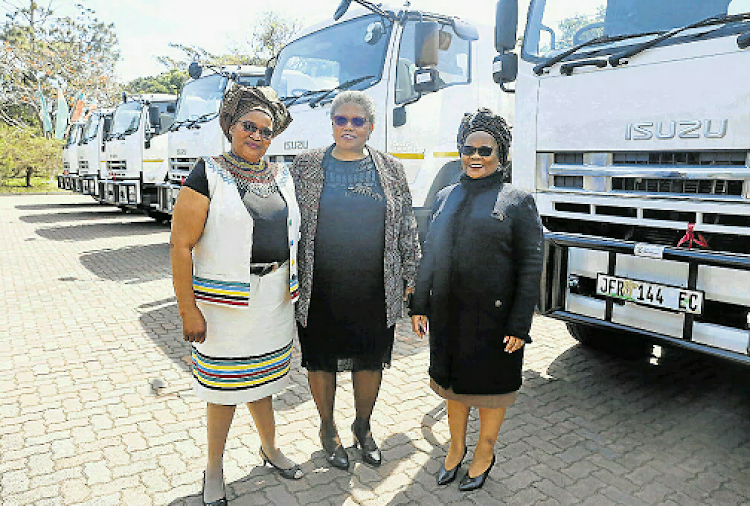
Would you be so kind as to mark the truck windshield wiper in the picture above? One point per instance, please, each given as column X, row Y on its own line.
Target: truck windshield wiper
column 200, row 119
column 342, row 86
column 176, row 125
column 614, row 60
column 293, row 99
column 560, row 57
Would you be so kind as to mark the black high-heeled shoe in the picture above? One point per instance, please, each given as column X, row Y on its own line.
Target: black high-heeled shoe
column 218, row 502
column 468, row 484
column 444, row 476
column 335, row 453
column 291, row 473
column 363, row 439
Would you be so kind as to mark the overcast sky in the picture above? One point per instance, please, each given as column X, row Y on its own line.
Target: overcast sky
column 146, row 27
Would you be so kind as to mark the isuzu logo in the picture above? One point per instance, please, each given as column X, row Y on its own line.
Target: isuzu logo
column 683, row 129
column 291, row 145
column 181, row 152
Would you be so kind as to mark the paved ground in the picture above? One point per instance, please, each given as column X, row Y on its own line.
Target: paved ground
column 96, row 406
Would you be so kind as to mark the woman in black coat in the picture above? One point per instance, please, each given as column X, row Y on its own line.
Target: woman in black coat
column 478, row 283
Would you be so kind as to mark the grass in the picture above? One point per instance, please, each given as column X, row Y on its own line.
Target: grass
column 38, row 185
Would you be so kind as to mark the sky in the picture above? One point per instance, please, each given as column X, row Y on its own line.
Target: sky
column 146, row 27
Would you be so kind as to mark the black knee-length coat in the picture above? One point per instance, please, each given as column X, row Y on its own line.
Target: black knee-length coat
column 479, row 282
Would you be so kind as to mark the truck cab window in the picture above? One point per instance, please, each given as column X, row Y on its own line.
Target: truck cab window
column 453, row 61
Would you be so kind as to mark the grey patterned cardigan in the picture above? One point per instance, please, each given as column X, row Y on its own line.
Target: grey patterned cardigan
column 402, row 250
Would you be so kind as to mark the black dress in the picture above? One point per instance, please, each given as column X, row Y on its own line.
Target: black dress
column 346, row 328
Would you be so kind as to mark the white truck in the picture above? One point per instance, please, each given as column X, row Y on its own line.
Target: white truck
column 633, row 130
column 196, row 131
column 91, row 151
column 67, row 179
column 423, row 70
column 136, row 151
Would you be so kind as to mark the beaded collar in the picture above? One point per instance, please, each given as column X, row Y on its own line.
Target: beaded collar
column 256, row 177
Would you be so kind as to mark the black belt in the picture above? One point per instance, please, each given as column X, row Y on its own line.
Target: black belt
column 263, row 269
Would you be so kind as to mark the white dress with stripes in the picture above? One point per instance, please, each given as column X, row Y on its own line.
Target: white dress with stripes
column 246, row 355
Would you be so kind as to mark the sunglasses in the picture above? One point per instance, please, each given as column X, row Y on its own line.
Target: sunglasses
column 356, row 121
column 482, row 150
column 250, row 127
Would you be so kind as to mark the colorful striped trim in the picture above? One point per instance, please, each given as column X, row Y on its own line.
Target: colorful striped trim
column 222, row 292
column 241, row 373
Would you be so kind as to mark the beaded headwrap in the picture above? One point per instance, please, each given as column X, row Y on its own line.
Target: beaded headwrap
column 240, row 100
column 485, row 120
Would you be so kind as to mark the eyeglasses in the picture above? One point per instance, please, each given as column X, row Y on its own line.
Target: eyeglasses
column 250, row 127
column 482, row 150
column 356, row 121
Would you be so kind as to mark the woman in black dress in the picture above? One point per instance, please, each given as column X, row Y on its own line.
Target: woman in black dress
column 358, row 254
column 479, row 284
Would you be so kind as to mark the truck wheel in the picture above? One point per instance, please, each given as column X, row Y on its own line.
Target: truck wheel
column 159, row 216
column 622, row 344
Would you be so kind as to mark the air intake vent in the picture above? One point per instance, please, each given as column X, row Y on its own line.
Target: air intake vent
column 679, row 186
column 569, row 158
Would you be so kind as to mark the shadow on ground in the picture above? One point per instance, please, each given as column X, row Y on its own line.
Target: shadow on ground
column 130, row 265
column 88, row 232
column 96, row 214
column 49, row 207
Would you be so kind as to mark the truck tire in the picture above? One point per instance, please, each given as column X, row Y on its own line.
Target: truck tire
column 159, row 216
column 621, row 344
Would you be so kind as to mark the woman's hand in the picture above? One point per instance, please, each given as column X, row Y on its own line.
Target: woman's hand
column 513, row 344
column 419, row 325
column 193, row 326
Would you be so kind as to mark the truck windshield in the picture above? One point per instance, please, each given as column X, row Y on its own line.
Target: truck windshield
column 91, row 128
column 201, row 98
column 327, row 58
column 74, row 135
column 127, row 118
column 557, row 25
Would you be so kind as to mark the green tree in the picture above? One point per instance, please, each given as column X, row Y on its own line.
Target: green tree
column 568, row 27
column 170, row 81
column 25, row 154
column 40, row 49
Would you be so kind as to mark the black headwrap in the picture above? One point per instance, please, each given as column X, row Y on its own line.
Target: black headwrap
column 485, row 120
column 240, row 100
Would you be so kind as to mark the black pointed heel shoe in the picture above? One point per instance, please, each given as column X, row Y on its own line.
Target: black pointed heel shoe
column 335, row 453
column 292, row 473
column 468, row 484
column 218, row 502
column 363, row 439
column 444, row 476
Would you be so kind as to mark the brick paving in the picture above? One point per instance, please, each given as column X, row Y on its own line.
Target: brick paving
column 96, row 404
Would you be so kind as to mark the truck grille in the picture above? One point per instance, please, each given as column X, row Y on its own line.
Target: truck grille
column 679, row 186
column 734, row 158
column 179, row 168
column 66, row 166
column 119, row 165
column 83, row 165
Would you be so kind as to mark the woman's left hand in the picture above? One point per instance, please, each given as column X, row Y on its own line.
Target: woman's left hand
column 513, row 343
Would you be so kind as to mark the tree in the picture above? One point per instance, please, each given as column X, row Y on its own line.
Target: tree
column 170, row 82
column 40, row 50
column 23, row 154
column 570, row 26
column 270, row 33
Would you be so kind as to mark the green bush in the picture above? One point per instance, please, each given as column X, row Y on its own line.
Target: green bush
column 24, row 155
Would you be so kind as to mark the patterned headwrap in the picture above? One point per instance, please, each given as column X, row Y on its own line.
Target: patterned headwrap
column 240, row 100
column 485, row 120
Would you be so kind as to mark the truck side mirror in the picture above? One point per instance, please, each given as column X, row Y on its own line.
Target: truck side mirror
column 153, row 117
column 426, row 43
column 195, row 70
column 505, row 68
column 341, row 9
column 506, row 25
column 269, row 74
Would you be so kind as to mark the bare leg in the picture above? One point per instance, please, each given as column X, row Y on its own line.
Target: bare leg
column 262, row 412
column 323, row 389
column 219, row 420
column 490, row 421
column 366, row 385
column 458, row 417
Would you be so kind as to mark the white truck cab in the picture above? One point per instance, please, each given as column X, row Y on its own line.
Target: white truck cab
column 136, row 150
column 633, row 130
column 91, row 151
column 423, row 70
column 196, row 131
column 67, row 180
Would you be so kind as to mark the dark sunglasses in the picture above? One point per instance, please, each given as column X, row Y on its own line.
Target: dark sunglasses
column 482, row 150
column 356, row 121
column 250, row 127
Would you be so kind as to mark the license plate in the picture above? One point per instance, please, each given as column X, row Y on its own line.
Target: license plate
column 650, row 294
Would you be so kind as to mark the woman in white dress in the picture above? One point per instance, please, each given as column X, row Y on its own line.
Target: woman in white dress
column 233, row 247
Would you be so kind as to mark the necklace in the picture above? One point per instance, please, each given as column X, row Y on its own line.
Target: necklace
column 258, row 178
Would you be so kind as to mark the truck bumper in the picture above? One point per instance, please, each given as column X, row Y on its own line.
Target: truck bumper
column 166, row 196
column 574, row 266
